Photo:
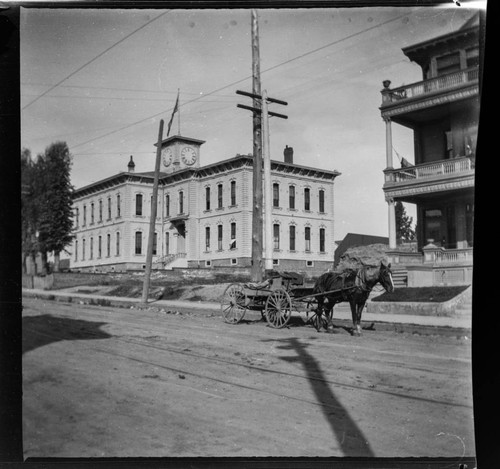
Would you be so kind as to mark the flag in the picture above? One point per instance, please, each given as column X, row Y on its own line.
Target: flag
column 176, row 108
column 405, row 163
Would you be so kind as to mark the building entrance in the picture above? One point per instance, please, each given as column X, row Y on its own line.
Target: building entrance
column 181, row 239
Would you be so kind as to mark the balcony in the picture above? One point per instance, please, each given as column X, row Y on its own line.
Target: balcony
column 422, row 89
column 443, row 169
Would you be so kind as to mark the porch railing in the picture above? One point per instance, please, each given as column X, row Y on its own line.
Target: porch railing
column 431, row 85
column 429, row 170
column 431, row 255
column 453, row 256
column 163, row 261
column 437, row 255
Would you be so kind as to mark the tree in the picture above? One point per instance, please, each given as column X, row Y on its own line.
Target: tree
column 46, row 203
column 29, row 207
column 54, row 191
column 404, row 230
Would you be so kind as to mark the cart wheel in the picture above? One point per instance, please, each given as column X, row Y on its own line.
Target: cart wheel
column 233, row 303
column 278, row 308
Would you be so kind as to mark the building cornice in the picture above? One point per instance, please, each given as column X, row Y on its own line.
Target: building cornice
column 189, row 173
column 414, row 50
column 466, row 181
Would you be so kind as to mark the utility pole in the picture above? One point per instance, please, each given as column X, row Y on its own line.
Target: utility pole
column 268, row 204
column 257, row 109
column 257, row 272
column 263, row 111
column 152, row 221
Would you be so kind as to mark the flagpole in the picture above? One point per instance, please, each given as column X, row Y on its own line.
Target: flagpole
column 178, row 113
column 176, row 108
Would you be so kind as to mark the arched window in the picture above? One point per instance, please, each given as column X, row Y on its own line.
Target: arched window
column 292, row 237
column 181, row 202
column 321, row 201
column 207, row 198
column 207, row 238
column 307, row 199
column 233, row 193
column 322, row 232
column 118, row 243
column 291, row 197
column 138, row 204
column 138, row 242
column 307, row 237
column 220, row 203
column 276, row 236
column 118, row 206
column 276, row 195
column 233, row 236
column 219, row 237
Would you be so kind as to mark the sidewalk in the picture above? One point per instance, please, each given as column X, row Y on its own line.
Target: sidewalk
column 341, row 311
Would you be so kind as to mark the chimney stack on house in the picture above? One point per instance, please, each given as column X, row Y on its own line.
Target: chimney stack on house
column 131, row 165
column 288, row 152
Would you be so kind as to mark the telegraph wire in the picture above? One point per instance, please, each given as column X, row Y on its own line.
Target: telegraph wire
column 94, row 59
column 110, row 88
column 237, row 82
column 122, row 98
column 338, row 41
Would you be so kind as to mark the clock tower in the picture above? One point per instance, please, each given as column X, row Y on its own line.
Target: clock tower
column 179, row 152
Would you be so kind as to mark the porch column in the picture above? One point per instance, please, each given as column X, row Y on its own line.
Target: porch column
column 392, row 223
column 388, row 142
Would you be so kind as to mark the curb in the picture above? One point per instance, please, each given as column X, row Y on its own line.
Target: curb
column 390, row 322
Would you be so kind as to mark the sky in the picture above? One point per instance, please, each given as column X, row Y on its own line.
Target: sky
column 101, row 80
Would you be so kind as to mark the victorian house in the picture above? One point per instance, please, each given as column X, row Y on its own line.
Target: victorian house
column 442, row 110
column 204, row 215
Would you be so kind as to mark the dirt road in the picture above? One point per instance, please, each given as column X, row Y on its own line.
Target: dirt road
column 111, row 382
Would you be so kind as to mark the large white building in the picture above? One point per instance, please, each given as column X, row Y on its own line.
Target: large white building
column 204, row 215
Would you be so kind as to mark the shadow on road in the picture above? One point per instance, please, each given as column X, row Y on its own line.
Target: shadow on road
column 45, row 329
column 348, row 434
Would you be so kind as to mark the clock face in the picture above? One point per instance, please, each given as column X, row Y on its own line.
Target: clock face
column 166, row 154
column 188, row 155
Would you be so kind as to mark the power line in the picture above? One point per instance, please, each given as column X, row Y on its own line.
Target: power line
column 237, row 82
column 159, row 113
column 120, row 98
column 338, row 41
column 110, row 88
column 94, row 59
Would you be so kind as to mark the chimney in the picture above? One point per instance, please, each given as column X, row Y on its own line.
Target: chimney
column 131, row 165
column 288, row 152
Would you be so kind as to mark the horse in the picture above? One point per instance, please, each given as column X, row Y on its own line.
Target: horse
column 352, row 285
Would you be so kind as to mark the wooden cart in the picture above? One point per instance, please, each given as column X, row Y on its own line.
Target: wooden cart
column 276, row 299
